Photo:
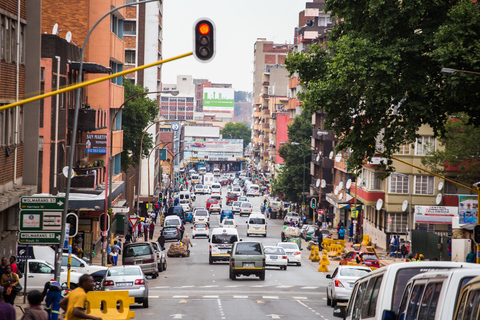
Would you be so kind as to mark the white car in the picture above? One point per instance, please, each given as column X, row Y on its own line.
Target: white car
column 253, row 190
column 199, row 189
column 236, row 206
column 200, row 229
column 228, row 223
column 216, row 189
column 295, row 217
column 237, row 190
column 40, row 271
column 215, row 207
column 276, row 257
column 201, row 216
column 246, row 208
column 186, row 207
column 341, row 283
column 293, row 252
column 207, row 190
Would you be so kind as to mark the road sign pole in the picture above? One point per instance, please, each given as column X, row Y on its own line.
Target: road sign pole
column 69, row 265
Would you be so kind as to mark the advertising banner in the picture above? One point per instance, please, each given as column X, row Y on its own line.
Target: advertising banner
column 215, row 99
column 435, row 214
column 96, row 143
column 467, row 209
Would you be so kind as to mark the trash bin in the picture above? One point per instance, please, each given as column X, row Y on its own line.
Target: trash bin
column 296, row 240
column 273, row 215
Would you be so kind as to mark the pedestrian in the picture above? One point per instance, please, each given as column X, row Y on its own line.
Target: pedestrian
column 420, row 258
column 161, row 240
column 350, row 233
column 341, row 233
column 291, row 222
column 410, row 257
column 397, row 243
column 404, row 251
column 128, row 237
column 392, row 245
column 13, row 264
column 113, row 257
column 9, row 281
column 186, row 241
column 471, row 257
column 35, row 311
column 75, row 303
column 6, row 309
column 145, row 231
column 359, row 258
column 53, row 297
column 151, row 229
column 319, row 237
column 3, row 266
column 116, row 246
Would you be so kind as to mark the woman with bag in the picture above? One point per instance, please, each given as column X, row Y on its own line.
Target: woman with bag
column 9, row 282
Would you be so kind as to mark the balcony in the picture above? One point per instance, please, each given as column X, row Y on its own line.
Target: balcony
column 265, row 140
column 88, row 178
column 293, row 83
column 265, row 154
column 266, row 125
column 266, row 112
column 257, row 114
column 266, row 83
column 88, row 119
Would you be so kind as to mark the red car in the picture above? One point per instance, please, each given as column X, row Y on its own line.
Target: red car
column 370, row 259
column 231, row 197
column 210, row 202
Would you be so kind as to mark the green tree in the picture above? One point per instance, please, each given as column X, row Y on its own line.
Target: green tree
column 137, row 114
column 380, row 77
column 461, row 150
column 289, row 180
column 237, row 130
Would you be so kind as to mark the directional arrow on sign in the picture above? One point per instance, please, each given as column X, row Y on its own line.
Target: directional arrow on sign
column 177, row 316
column 274, row 316
column 60, row 203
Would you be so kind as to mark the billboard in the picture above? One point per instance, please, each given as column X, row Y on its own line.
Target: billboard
column 215, row 99
column 468, row 209
column 214, row 149
column 435, row 214
column 96, row 143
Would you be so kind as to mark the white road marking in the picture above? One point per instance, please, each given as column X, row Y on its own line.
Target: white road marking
column 300, row 298
column 162, row 287
column 210, row 286
column 210, row 297
column 234, row 286
column 309, row 288
column 258, row 286
column 284, row 286
column 154, row 297
column 180, row 297
column 270, row 297
column 187, row 287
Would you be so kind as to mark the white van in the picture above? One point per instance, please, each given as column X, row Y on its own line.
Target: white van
column 194, row 178
column 253, row 190
column 256, row 225
column 216, row 172
column 221, row 242
column 208, row 179
column 465, row 308
column 202, row 170
column 217, row 189
column 378, row 295
column 184, row 197
column 434, row 295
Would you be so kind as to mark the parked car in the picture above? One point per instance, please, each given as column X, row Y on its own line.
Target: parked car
column 308, row 232
column 247, row 258
column 294, row 255
column 231, row 198
column 131, row 278
column 142, row 254
column 295, row 217
column 370, row 258
column 341, row 283
column 276, row 257
column 161, row 256
column 200, row 229
column 40, row 271
column 172, row 233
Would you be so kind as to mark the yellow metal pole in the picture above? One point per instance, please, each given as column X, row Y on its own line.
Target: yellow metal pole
column 478, row 222
column 90, row 82
column 69, row 265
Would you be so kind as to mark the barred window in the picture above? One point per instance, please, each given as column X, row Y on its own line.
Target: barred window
column 424, row 144
column 373, row 181
column 397, row 222
column 424, row 184
column 398, row 183
column 405, row 149
column 130, row 56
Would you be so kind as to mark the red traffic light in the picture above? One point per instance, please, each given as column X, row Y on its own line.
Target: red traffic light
column 204, row 28
column 204, row 40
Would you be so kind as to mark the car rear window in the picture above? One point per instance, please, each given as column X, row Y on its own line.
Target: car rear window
column 246, row 205
column 289, row 245
column 353, row 272
column 199, row 186
column 278, row 251
column 201, row 213
column 124, row 272
column 212, row 200
column 200, row 225
column 228, row 222
column 134, row 251
column 248, row 249
column 224, row 238
column 256, row 221
column 172, row 222
column 368, row 256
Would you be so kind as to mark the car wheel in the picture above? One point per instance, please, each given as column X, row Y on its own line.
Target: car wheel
column 160, row 267
column 145, row 303
column 334, row 302
column 329, row 301
column 193, row 237
column 232, row 275
column 165, row 265
column 265, row 235
column 299, row 264
column 210, row 260
column 262, row 276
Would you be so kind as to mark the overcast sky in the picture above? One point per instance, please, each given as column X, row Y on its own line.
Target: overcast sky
column 238, row 25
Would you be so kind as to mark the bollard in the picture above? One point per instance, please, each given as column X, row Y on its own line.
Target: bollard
column 324, row 262
column 316, row 256
column 312, row 252
column 103, row 304
column 366, row 240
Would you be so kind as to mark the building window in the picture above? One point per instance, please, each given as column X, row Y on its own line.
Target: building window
column 130, row 56
column 398, row 224
column 424, row 144
column 424, row 184
column 398, row 183
column 405, row 149
column 130, row 1
column 8, row 39
column 3, row 32
column 130, row 28
column 189, row 99
column 373, row 180
column 164, row 99
column 2, row 128
column 14, row 40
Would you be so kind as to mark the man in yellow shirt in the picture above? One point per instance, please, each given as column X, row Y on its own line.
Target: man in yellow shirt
column 75, row 303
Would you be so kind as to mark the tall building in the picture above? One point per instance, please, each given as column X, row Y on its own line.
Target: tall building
column 213, row 111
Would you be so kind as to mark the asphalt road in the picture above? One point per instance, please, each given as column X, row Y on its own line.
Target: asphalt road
column 193, row 289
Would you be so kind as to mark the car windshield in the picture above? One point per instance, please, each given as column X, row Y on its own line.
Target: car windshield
column 141, row 250
column 272, row 250
column 212, row 200
column 224, row 238
column 289, row 246
column 248, row 249
column 369, row 256
column 256, row 221
column 236, row 203
column 201, row 213
column 228, row 222
column 125, row 271
column 353, row 272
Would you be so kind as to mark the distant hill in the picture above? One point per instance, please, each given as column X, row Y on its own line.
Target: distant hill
column 243, row 107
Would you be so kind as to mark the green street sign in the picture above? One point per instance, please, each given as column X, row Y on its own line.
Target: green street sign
column 39, row 237
column 42, row 203
column 38, row 220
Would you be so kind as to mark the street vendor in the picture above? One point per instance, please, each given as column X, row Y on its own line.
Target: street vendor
column 186, row 241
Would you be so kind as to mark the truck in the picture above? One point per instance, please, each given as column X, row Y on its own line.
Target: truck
column 38, row 272
column 208, row 179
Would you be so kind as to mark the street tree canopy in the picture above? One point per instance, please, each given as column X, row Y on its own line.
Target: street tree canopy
column 137, row 114
column 379, row 78
column 237, row 130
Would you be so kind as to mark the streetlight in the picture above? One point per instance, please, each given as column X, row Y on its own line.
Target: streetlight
column 58, row 260
column 450, row 70
column 303, row 188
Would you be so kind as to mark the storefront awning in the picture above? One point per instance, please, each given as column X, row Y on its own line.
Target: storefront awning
column 343, row 204
column 92, row 202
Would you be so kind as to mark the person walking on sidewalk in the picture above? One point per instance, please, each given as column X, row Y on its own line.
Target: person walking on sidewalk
column 350, row 233
column 6, row 309
column 145, row 231
column 75, row 303
column 9, row 281
column 35, row 311
column 151, row 229
column 392, row 245
column 161, row 240
column 341, row 233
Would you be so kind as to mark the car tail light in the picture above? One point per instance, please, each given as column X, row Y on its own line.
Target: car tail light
column 264, row 263
column 194, row 228
column 297, row 253
column 232, row 262
column 158, row 254
column 148, row 260
column 338, row 284
column 108, row 283
column 139, row 281
column 210, row 249
column 284, row 257
column 127, row 262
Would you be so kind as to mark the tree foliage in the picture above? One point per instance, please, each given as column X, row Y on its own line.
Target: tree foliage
column 137, row 114
column 380, row 79
column 289, row 180
column 461, row 150
column 237, row 130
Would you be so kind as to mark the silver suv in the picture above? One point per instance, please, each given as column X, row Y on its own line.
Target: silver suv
column 247, row 258
column 142, row 254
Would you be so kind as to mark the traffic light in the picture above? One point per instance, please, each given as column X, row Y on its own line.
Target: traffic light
column 313, row 203
column 101, row 219
column 204, row 40
column 72, row 220
column 160, row 197
column 476, row 234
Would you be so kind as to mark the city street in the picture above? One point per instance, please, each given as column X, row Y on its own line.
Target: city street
column 193, row 289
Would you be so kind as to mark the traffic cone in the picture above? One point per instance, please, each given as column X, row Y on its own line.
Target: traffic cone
column 312, row 252
column 316, row 256
column 323, row 263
